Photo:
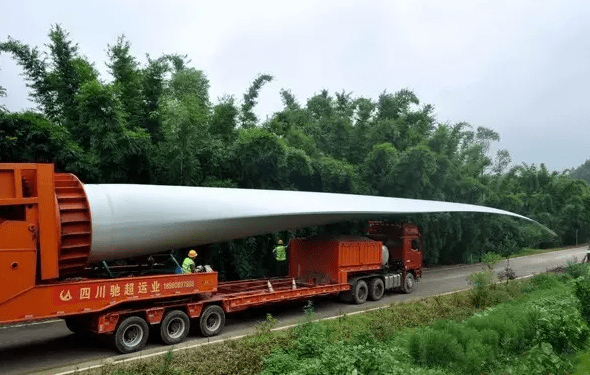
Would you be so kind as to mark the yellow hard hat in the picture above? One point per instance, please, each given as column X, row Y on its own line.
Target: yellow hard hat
column 192, row 254
column 280, row 242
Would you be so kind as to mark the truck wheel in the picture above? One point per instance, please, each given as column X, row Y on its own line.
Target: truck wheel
column 131, row 335
column 212, row 320
column 174, row 327
column 360, row 292
column 376, row 289
column 409, row 284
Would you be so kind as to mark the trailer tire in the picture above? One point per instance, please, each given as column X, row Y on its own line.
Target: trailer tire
column 212, row 320
column 376, row 289
column 360, row 292
column 131, row 334
column 174, row 327
column 409, row 284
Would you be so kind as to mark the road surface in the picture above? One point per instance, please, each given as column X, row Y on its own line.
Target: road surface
column 50, row 348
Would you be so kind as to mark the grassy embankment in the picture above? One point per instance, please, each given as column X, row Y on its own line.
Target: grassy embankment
column 518, row 327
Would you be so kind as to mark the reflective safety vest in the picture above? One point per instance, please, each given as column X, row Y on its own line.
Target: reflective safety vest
column 187, row 265
column 280, row 253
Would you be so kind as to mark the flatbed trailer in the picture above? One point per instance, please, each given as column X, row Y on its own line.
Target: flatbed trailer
column 241, row 295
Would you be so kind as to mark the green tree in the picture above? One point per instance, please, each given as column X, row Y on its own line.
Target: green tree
column 31, row 137
column 336, row 176
column 185, row 111
column 64, row 78
column 582, row 172
column 127, row 82
column 153, row 80
column 56, row 83
column 413, row 172
column 35, row 72
column 224, row 122
column 122, row 155
column 247, row 117
column 380, row 168
column 259, row 159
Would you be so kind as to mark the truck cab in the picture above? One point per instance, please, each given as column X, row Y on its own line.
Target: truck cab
column 403, row 242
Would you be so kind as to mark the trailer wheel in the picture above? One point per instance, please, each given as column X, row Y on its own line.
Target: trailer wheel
column 409, row 284
column 174, row 327
column 212, row 320
column 360, row 292
column 376, row 289
column 131, row 335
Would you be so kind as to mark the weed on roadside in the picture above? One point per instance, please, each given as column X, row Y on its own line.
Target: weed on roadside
column 582, row 293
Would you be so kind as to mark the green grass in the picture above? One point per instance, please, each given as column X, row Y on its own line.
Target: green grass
column 583, row 366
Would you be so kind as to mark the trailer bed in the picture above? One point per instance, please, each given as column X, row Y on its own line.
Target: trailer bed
column 240, row 295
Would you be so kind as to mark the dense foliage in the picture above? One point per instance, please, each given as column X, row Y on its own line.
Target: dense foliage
column 583, row 171
column 154, row 122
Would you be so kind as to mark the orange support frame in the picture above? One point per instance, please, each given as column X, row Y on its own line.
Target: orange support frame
column 18, row 229
column 49, row 226
column 29, row 189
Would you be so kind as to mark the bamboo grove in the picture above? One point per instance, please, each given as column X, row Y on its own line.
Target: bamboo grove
column 154, row 122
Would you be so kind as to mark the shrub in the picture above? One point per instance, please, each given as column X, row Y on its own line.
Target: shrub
column 549, row 328
column 576, row 270
column 430, row 347
column 560, row 324
column 490, row 259
column 482, row 282
column 582, row 293
column 279, row 362
column 361, row 355
column 514, row 328
column 541, row 359
column 542, row 281
column 268, row 325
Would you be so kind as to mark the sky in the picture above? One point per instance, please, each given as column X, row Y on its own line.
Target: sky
column 519, row 67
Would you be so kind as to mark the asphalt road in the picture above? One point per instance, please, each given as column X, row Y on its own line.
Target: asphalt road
column 50, row 348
